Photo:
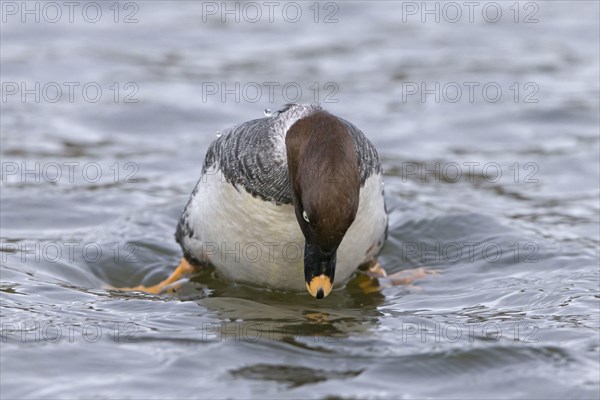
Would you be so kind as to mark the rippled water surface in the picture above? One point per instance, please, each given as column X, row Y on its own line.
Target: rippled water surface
column 500, row 195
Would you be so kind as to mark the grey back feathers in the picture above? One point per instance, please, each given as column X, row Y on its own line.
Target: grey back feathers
column 252, row 155
column 246, row 156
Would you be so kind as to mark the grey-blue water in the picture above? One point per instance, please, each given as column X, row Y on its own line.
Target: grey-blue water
column 488, row 132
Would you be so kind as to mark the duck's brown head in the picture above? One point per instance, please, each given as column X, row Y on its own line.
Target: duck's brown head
column 325, row 180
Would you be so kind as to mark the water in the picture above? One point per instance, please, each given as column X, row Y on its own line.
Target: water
column 513, row 311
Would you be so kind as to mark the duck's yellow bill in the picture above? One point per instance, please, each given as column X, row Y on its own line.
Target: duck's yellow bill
column 319, row 286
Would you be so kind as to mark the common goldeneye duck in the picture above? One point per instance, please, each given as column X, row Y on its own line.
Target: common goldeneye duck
column 291, row 201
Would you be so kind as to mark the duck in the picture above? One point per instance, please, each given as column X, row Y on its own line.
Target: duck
column 293, row 201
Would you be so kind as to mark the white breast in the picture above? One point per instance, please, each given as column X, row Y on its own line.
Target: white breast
column 251, row 240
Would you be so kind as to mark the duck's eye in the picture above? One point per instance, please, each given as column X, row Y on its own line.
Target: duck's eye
column 305, row 216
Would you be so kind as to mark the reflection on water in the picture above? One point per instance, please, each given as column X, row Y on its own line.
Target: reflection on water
column 292, row 376
column 285, row 316
column 501, row 197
